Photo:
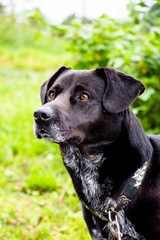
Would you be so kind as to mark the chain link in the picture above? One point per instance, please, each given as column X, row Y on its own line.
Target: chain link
column 114, row 225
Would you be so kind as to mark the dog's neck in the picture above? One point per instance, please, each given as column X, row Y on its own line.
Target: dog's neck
column 84, row 171
column 100, row 171
column 108, row 164
column 93, row 184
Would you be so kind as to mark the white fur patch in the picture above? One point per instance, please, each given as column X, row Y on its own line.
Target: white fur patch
column 139, row 175
column 57, row 133
column 86, row 170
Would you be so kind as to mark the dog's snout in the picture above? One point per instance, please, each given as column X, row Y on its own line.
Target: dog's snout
column 43, row 114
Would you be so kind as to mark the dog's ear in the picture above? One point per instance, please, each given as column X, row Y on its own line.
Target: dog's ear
column 46, row 85
column 121, row 90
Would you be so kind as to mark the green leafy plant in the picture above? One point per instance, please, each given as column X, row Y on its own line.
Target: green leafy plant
column 131, row 46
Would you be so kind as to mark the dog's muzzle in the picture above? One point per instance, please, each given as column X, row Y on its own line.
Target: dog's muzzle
column 43, row 127
column 52, row 125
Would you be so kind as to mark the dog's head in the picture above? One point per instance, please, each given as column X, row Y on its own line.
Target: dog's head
column 82, row 106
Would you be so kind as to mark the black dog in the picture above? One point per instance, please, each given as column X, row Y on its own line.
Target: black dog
column 114, row 165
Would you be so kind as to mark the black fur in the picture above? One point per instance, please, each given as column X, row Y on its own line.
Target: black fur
column 103, row 144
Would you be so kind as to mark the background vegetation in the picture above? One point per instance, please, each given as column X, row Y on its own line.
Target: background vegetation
column 37, row 200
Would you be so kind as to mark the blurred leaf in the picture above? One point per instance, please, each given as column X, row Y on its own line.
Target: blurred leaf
column 147, row 94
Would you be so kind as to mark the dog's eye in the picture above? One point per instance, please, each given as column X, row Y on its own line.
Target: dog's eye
column 84, row 97
column 52, row 95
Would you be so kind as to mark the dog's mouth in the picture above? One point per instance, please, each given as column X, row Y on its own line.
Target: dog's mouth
column 53, row 134
column 56, row 134
column 43, row 133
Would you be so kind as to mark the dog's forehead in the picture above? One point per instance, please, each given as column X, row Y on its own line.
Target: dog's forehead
column 85, row 78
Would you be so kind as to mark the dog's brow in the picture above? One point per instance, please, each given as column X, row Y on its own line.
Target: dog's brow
column 80, row 88
column 57, row 87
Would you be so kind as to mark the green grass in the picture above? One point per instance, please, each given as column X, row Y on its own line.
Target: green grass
column 37, row 199
column 50, row 56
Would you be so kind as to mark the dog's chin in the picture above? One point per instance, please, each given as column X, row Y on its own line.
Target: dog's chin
column 58, row 138
column 61, row 139
column 57, row 135
column 49, row 137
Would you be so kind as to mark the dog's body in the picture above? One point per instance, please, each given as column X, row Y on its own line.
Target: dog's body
column 103, row 145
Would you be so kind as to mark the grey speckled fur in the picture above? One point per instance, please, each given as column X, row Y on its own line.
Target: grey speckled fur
column 87, row 174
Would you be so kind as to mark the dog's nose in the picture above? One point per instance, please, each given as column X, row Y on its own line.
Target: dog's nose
column 43, row 114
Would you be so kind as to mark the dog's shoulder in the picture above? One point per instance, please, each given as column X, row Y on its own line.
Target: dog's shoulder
column 155, row 141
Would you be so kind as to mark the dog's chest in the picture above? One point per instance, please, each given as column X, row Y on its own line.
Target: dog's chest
column 85, row 174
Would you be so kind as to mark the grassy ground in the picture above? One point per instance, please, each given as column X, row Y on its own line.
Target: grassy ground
column 37, row 200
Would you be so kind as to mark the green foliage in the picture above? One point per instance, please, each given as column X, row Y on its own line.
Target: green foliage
column 113, row 43
column 131, row 46
column 31, row 44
